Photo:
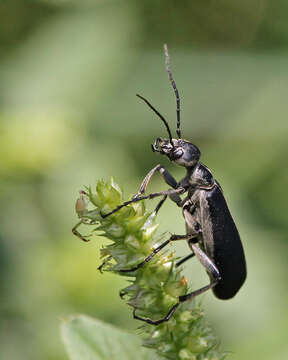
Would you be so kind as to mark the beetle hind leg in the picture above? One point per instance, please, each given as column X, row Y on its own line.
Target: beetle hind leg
column 198, row 292
column 210, row 268
column 180, row 262
column 157, row 322
column 174, row 307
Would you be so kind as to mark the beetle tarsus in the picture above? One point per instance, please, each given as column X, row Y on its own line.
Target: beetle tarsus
column 122, row 294
column 77, row 233
column 104, row 263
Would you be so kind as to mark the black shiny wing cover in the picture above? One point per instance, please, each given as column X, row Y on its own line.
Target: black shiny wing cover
column 222, row 242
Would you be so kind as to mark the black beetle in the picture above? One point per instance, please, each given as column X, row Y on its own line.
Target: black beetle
column 210, row 230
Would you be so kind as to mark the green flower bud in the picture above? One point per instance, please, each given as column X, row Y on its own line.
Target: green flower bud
column 114, row 196
column 115, row 230
column 169, row 300
column 186, row 316
column 185, row 354
column 135, row 223
column 132, row 242
column 176, row 288
column 197, row 345
column 139, row 208
column 95, row 198
column 126, row 213
column 115, row 186
column 155, row 334
column 104, row 252
column 106, row 209
column 165, row 348
column 149, row 232
column 103, row 191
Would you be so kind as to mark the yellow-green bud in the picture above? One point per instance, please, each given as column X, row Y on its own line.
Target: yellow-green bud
column 197, row 345
column 186, row 316
column 185, row 354
column 132, row 242
column 115, row 230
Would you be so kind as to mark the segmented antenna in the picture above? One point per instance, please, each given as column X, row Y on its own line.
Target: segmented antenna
column 160, row 116
column 167, row 61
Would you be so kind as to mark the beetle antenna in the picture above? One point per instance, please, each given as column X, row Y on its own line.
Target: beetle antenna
column 167, row 61
column 160, row 116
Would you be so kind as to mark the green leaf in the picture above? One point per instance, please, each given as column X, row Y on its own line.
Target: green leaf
column 87, row 338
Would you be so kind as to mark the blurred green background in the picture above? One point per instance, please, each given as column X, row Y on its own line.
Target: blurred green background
column 69, row 72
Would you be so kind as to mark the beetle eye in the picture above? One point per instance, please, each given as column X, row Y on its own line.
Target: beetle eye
column 177, row 153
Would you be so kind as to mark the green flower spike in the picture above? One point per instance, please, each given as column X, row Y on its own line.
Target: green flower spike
column 155, row 287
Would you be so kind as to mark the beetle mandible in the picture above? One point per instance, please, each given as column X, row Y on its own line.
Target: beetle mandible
column 210, row 229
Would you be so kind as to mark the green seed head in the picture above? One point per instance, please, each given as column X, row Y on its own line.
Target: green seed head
column 155, row 287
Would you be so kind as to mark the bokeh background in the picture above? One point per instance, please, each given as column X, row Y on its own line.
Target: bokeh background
column 69, row 72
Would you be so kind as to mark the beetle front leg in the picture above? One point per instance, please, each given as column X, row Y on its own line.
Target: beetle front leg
column 161, row 202
column 150, row 196
column 167, row 177
column 211, row 269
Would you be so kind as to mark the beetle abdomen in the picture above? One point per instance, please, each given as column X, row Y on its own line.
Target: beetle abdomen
column 222, row 243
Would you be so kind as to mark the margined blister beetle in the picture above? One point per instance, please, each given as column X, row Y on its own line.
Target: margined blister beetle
column 210, row 230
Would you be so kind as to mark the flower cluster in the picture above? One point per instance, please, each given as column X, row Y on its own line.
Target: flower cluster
column 154, row 288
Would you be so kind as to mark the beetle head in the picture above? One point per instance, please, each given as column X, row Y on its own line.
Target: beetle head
column 180, row 151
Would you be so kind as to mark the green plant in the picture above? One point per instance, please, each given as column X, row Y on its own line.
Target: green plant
column 155, row 287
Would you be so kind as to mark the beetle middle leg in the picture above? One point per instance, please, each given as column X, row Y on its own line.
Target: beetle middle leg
column 155, row 251
column 167, row 177
column 173, row 196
